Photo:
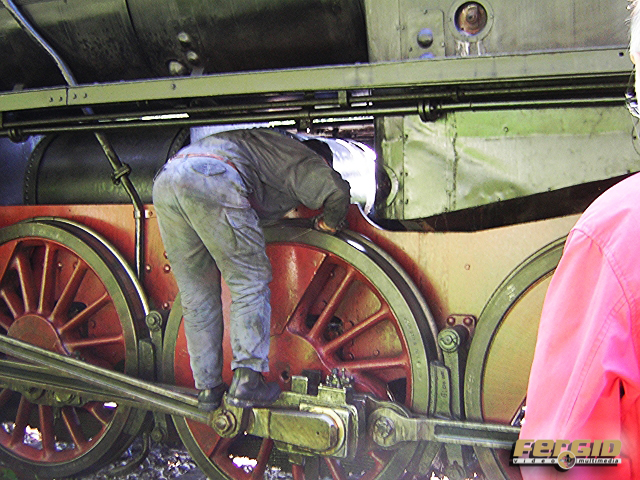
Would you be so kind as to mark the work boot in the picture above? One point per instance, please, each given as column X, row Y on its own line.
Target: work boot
column 248, row 389
column 210, row 398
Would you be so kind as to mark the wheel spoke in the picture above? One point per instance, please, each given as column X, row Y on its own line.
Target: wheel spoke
column 13, row 301
column 21, row 422
column 380, row 459
column 25, row 277
column 5, row 395
column 219, row 450
column 358, row 329
column 332, row 305
column 5, row 321
column 48, row 279
column 6, row 256
column 374, row 364
column 72, row 424
column 97, row 411
column 93, row 342
column 85, row 314
column 297, row 472
column 263, row 457
column 68, row 294
column 45, row 414
column 336, row 469
column 317, row 283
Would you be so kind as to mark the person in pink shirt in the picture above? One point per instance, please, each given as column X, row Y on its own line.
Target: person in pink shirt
column 585, row 377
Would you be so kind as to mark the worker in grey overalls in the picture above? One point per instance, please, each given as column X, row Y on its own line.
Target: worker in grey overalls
column 209, row 199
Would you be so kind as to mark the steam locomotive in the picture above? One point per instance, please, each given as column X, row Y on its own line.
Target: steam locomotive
column 473, row 134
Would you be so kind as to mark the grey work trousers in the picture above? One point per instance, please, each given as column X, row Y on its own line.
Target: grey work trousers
column 209, row 228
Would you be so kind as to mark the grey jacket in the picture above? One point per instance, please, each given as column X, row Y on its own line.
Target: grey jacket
column 280, row 172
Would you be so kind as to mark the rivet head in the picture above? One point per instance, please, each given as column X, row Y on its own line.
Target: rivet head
column 176, row 68
column 184, row 38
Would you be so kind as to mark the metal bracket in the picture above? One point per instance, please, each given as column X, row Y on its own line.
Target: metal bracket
column 155, row 322
column 453, row 342
column 118, row 173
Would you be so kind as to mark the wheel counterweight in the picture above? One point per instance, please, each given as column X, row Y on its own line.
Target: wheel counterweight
column 61, row 288
column 337, row 303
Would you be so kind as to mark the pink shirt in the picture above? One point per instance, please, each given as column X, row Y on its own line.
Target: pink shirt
column 587, row 351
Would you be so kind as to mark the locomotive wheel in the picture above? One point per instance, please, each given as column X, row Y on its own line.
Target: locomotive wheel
column 502, row 351
column 336, row 303
column 64, row 289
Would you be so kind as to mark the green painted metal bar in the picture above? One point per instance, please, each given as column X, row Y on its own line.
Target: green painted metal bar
column 152, row 395
column 483, row 71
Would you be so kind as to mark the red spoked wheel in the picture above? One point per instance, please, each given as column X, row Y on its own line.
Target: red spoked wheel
column 337, row 302
column 65, row 289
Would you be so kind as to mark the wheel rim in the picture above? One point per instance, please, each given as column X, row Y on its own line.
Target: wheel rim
column 502, row 351
column 62, row 289
column 336, row 303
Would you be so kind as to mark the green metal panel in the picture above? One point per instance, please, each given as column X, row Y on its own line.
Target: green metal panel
column 512, row 26
column 468, row 159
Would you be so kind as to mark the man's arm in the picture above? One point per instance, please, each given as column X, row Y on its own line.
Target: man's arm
column 317, row 185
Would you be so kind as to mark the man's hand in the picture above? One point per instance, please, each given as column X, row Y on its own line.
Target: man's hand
column 320, row 225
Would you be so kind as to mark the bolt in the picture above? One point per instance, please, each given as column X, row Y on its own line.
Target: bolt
column 154, row 320
column 176, row 68
column 165, row 306
column 221, row 423
column 158, row 435
column 451, row 321
column 224, row 423
column 468, row 321
column 184, row 38
column 63, row 397
column 449, row 340
column 383, row 427
column 425, row 38
column 166, row 268
column 193, row 57
column 147, row 267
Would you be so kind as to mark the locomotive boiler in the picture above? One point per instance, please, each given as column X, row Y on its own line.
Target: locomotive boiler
column 473, row 133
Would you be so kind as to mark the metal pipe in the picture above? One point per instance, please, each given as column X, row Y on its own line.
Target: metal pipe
column 121, row 172
column 346, row 114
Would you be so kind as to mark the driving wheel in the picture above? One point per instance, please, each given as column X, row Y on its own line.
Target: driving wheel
column 63, row 288
column 338, row 302
column 502, row 351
